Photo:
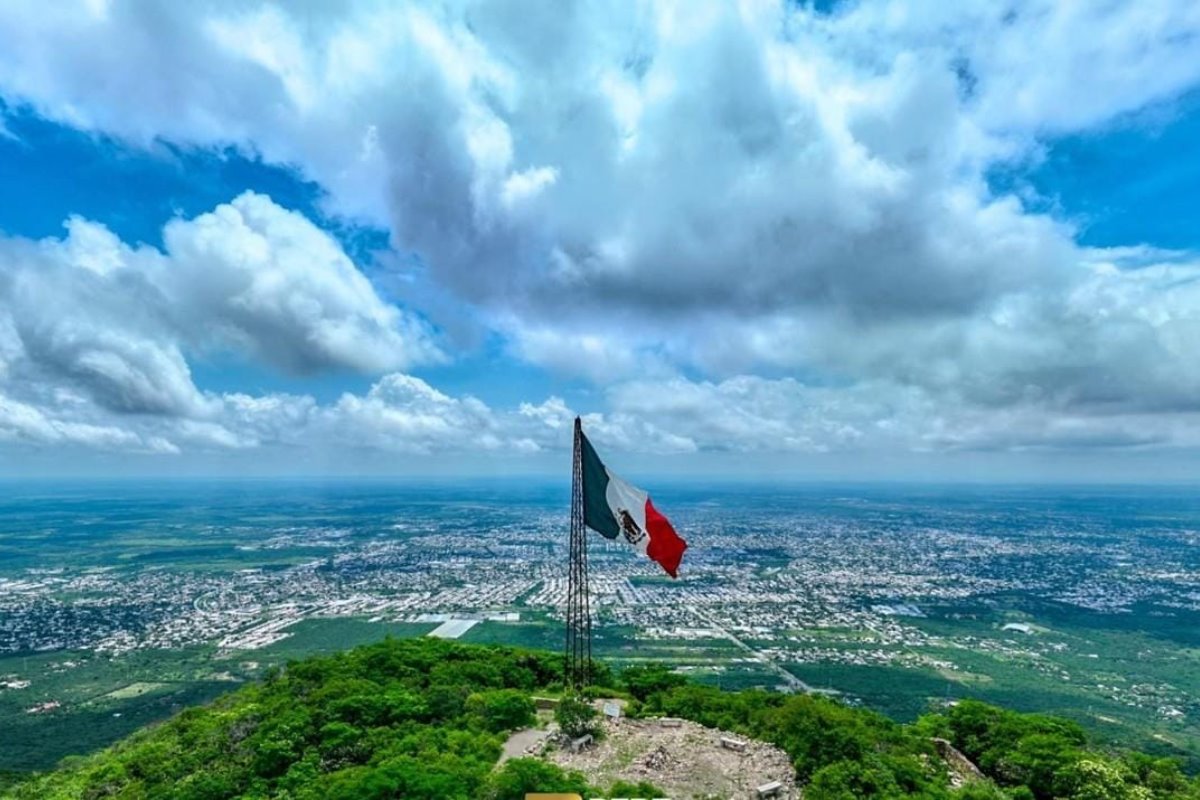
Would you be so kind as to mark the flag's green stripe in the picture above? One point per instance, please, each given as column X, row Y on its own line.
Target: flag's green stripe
column 596, row 513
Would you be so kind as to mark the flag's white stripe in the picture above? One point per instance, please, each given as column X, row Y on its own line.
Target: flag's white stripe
column 623, row 496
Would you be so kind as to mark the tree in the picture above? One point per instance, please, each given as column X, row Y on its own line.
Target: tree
column 852, row 780
column 501, row 709
column 1098, row 779
column 519, row 776
column 1161, row 776
column 980, row 790
column 1036, row 761
column 577, row 718
column 643, row 681
column 423, row 719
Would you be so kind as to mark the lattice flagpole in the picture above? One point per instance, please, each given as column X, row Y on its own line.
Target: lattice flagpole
column 577, row 663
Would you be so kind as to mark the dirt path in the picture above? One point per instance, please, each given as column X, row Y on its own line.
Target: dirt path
column 521, row 742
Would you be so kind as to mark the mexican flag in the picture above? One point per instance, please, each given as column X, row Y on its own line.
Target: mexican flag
column 614, row 508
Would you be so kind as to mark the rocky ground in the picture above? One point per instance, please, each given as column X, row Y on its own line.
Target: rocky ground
column 687, row 762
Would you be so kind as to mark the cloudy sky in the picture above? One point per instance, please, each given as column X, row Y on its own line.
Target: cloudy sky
column 890, row 239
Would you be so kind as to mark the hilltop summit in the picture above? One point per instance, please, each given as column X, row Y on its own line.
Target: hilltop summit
column 428, row 719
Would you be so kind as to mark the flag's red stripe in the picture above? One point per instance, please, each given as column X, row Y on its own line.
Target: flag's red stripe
column 665, row 545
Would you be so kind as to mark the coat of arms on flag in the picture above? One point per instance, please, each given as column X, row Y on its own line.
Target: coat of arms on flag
column 616, row 509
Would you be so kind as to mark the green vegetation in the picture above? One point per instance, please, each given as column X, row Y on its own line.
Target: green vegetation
column 1043, row 757
column 577, row 717
column 311, row 637
column 536, row 630
column 424, row 718
column 104, row 698
column 418, row 718
column 644, row 681
column 844, row 753
column 1118, row 683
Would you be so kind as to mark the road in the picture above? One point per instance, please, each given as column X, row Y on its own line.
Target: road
column 794, row 683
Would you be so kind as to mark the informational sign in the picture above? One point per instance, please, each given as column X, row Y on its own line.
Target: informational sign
column 612, row 710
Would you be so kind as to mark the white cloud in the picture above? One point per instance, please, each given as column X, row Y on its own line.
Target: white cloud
column 602, row 358
column 404, row 413
column 84, row 313
column 521, row 187
column 749, row 416
column 272, row 282
column 21, row 422
column 1043, row 65
column 92, row 312
column 733, row 158
column 754, row 414
column 95, row 335
column 626, row 193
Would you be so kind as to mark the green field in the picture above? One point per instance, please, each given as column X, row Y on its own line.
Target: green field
column 537, row 631
column 102, row 699
column 319, row 636
column 1119, row 682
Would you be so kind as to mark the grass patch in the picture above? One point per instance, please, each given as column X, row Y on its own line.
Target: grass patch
column 320, row 636
column 135, row 690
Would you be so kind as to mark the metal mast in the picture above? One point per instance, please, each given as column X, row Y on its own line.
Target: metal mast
column 577, row 664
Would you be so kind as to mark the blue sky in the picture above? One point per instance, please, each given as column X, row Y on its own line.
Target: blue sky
column 778, row 241
column 1132, row 180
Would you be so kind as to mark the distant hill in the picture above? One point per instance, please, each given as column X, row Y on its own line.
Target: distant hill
column 427, row 719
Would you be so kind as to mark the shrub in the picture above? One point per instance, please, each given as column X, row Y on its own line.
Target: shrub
column 577, row 718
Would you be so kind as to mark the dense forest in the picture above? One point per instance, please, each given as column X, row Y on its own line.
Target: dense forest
column 427, row 718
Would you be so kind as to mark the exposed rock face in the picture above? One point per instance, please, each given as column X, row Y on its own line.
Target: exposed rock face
column 685, row 761
column 962, row 770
